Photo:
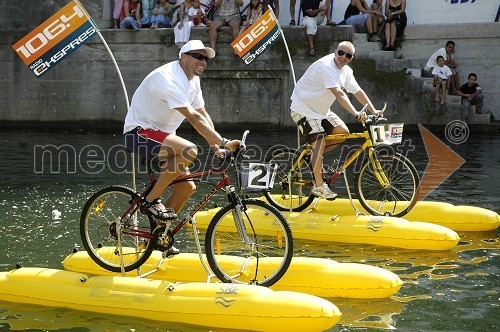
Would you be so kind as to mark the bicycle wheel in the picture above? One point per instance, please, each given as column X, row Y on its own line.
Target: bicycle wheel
column 267, row 254
column 387, row 185
column 301, row 182
column 98, row 222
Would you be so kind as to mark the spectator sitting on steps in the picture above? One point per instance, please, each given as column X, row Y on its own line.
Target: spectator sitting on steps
column 395, row 23
column 471, row 95
column 358, row 14
column 441, row 75
column 229, row 14
column 377, row 21
column 314, row 15
column 447, row 53
column 197, row 15
column 130, row 15
column 274, row 4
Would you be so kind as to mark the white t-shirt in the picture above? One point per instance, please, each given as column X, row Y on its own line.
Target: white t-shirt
column 311, row 96
column 432, row 62
column 193, row 11
column 442, row 72
column 163, row 90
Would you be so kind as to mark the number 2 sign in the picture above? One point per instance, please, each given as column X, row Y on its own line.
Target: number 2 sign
column 261, row 176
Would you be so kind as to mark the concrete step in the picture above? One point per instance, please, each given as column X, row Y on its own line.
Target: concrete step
column 359, row 38
column 479, row 119
column 474, row 118
column 382, row 57
column 363, row 46
column 415, row 63
column 392, row 65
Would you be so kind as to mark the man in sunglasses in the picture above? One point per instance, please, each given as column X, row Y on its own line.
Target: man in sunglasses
column 319, row 87
column 166, row 97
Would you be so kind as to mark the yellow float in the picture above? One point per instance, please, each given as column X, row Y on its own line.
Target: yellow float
column 377, row 230
column 455, row 217
column 315, row 276
column 224, row 306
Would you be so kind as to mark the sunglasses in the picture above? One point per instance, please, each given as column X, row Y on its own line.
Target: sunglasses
column 198, row 56
column 347, row 55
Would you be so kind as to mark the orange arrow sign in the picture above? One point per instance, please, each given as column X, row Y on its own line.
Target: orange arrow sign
column 443, row 161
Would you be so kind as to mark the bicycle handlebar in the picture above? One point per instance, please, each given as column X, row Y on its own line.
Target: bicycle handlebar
column 231, row 155
column 374, row 117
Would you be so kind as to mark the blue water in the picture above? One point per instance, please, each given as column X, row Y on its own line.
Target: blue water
column 452, row 290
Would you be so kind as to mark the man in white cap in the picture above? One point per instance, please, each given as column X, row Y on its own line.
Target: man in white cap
column 162, row 101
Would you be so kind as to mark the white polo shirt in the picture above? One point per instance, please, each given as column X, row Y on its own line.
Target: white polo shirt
column 311, row 96
column 163, row 90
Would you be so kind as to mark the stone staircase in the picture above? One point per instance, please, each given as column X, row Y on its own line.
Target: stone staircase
column 393, row 61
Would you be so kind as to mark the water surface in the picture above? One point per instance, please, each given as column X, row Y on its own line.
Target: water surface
column 451, row 290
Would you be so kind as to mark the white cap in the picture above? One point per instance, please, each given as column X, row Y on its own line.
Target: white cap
column 194, row 45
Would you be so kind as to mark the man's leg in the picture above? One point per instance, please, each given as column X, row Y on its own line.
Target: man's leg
column 465, row 109
column 332, row 144
column 176, row 153
column 212, row 33
column 443, row 90
column 318, row 148
column 454, row 84
column 292, row 12
column 329, row 13
column 235, row 23
column 369, row 24
column 478, row 101
column 179, row 196
column 311, row 29
column 438, row 85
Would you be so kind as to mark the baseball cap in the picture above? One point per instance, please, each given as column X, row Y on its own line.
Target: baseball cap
column 194, row 45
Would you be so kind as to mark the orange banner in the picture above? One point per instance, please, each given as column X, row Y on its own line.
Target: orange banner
column 50, row 33
column 257, row 35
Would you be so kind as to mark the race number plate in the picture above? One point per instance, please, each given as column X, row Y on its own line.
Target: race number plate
column 387, row 134
column 259, row 176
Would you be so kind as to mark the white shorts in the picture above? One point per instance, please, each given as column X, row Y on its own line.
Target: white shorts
column 311, row 128
column 312, row 23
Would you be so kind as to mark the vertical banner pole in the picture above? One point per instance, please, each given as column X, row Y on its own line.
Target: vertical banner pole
column 119, row 75
column 294, row 83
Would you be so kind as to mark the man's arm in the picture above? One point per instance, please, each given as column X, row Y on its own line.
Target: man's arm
column 203, row 125
column 363, row 99
column 204, row 112
column 239, row 2
column 475, row 94
column 344, row 101
column 360, row 4
column 450, row 61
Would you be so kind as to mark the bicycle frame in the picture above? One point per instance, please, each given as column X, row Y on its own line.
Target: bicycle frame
column 367, row 145
column 224, row 183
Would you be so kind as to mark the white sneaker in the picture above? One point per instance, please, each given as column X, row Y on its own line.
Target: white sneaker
column 323, row 191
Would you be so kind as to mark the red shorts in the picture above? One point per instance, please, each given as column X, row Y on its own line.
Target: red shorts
column 145, row 143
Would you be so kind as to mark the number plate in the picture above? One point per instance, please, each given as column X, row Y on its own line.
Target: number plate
column 387, row 134
column 258, row 177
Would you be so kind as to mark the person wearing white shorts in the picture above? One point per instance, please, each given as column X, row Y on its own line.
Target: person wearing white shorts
column 314, row 15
